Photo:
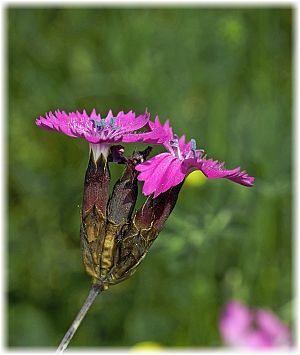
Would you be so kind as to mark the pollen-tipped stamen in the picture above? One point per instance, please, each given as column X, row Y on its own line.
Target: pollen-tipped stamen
column 194, row 147
column 174, row 143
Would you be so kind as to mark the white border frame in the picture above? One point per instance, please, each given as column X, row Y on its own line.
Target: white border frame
column 3, row 147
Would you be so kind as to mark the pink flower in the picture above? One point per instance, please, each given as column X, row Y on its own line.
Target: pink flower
column 102, row 132
column 254, row 329
column 166, row 170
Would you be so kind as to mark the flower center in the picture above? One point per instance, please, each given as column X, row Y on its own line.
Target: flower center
column 100, row 125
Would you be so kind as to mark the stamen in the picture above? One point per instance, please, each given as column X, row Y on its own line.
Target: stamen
column 174, row 143
column 201, row 152
column 112, row 124
column 193, row 147
column 103, row 129
column 98, row 125
column 112, row 121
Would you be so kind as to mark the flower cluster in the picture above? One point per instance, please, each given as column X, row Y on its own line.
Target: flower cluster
column 253, row 329
column 114, row 238
column 166, row 169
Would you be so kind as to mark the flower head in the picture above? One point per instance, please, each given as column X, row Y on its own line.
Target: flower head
column 255, row 329
column 169, row 169
column 101, row 132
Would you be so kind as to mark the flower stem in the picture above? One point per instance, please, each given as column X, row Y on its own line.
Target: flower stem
column 94, row 292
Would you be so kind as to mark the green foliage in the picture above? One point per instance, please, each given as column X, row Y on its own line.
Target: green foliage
column 223, row 77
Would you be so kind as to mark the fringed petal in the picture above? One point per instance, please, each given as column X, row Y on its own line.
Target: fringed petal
column 148, row 164
column 157, row 136
column 129, row 123
column 212, row 169
column 184, row 148
column 121, row 128
column 165, row 131
column 160, row 174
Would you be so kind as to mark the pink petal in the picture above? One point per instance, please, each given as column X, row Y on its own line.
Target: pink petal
column 269, row 323
column 109, row 116
column 77, row 124
column 213, row 170
column 261, row 329
column 94, row 115
column 129, row 123
column 52, row 123
column 256, row 339
column 152, row 175
column 165, row 131
column 148, row 164
column 172, row 176
column 160, row 174
column 234, row 323
column 156, row 136
column 184, row 148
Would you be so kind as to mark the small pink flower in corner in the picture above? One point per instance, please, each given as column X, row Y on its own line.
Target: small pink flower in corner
column 166, row 170
column 257, row 329
column 101, row 133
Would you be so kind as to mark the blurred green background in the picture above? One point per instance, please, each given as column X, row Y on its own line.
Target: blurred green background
column 223, row 77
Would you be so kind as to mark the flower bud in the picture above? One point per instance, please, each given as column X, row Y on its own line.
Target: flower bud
column 93, row 213
column 143, row 230
column 119, row 211
column 120, row 208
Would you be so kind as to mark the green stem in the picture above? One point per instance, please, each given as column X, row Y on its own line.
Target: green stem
column 94, row 292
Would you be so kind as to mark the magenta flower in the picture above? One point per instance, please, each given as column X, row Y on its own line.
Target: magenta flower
column 166, row 170
column 102, row 132
column 254, row 329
